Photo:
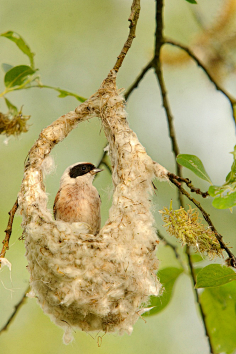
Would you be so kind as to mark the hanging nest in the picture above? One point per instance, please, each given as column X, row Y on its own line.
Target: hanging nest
column 84, row 281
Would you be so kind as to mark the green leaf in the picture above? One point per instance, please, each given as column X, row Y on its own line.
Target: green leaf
column 6, row 67
column 214, row 191
column 219, row 308
column 225, row 201
column 197, row 270
column 12, row 109
column 17, row 75
column 168, row 277
column 64, row 93
column 194, row 164
column 214, row 275
column 231, row 177
column 225, row 195
column 192, row 1
column 196, row 258
column 234, row 112
column 21, row 44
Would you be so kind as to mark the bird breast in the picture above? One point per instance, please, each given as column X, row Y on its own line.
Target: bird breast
column 81, row 203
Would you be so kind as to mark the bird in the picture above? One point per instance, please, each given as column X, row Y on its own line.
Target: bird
column 77, row 200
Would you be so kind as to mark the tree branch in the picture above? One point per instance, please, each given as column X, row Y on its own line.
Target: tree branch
column 231, row 99
column 15, row 311
column 8, row 230
column 159, row 41
column 193, row 276
column 103, row 162
column 219, row 237
column 173, row 247
column 139, row 78
column 189, row 185
column 133, row 18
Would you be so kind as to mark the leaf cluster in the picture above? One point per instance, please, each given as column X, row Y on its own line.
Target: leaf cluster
column 218, row 300
column 224, row 195
column 22, row 77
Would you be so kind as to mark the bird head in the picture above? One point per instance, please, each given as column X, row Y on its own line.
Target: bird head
column 79, row 172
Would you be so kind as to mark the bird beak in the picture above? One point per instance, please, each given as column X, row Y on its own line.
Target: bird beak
column 95, row 171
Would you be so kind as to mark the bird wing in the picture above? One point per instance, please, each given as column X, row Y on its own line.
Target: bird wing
column 55, row 202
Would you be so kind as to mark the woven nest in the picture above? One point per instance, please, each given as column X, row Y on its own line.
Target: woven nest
column 84, row 281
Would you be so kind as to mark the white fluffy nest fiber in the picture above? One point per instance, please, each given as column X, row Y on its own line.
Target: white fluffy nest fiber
column 84, row 281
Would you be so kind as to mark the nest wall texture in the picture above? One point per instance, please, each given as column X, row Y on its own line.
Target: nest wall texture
column 84, row 281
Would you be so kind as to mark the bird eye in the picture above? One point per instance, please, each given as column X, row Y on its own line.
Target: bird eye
column 83, row 168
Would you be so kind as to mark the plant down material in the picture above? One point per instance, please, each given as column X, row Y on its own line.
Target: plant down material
column 186, row 226
column 13, row 125
column 84, row 281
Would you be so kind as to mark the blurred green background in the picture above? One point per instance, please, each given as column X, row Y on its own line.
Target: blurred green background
column 76, row 44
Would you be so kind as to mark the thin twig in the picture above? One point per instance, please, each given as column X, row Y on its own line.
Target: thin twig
column 219, row 237
column 139, row 78
column 189, row 185
column 159, row 41
column 8, row 230
column 173, row 247
column 231, row 99
column 193, row 276
column 103, row 162
column 133, row 18
column 16, row 309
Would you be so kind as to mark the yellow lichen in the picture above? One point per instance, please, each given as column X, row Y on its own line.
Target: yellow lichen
column 13, row 124
column 187, row 227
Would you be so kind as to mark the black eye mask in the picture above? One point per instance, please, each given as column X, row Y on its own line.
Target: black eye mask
column 81, row 169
